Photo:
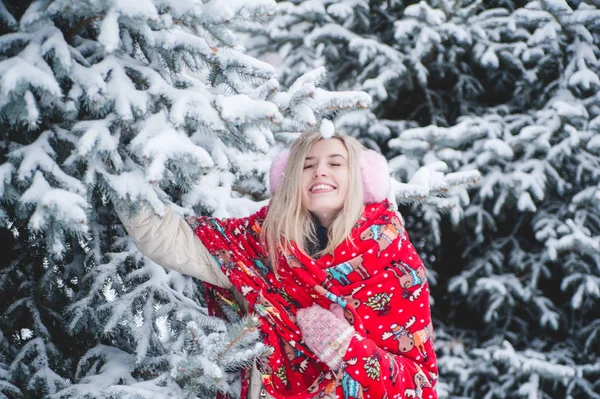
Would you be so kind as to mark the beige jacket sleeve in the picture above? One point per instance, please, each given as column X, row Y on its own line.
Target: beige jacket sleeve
column 170, row 242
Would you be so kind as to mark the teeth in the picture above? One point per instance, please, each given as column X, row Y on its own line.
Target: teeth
column 321, row 187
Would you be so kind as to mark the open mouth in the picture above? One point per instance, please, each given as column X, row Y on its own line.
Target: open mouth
column 322, row 188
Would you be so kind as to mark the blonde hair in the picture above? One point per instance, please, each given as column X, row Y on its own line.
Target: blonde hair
column 288, row 221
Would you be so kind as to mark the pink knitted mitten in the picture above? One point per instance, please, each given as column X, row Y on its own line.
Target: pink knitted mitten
column 325, row 334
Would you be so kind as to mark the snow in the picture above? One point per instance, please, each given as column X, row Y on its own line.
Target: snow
column 531, row 364
column 341, row 11
column 55, row 43
column 88, row 82
column 109, row 31
column 423, row 11
column 427, row 42
column 33, row 113
column 52, row 203
column 586, row 285
column 116, row 367
column 132, row 186
column 258, row 137
column 557, row 6
column 405, row 28
column 305, row 113
column 6, row 17
column 453, row 136
column 530, row 133
column 129, row 101
column 329, row 31
column 6, row 171
column 222, row 12
column 96, row 136
column 346, row 100
column 181, row 39
column 369, row 49
column 159, row 142
column 240, row 108
column 573, row 239
column 585, row 79
column 490, row 59
column 195, row 104
column 312, row 78
column 26, row 334
column 214, row 191
column 33, row 17
column 499, row 148
column 138, row 9
column 569, row 110
column 525, row 203
column 377, row 87
column 547, row 33
column 17, row 73
column 232, row 58
column 37, row 156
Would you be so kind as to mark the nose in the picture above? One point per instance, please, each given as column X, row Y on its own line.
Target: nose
column 320, row 170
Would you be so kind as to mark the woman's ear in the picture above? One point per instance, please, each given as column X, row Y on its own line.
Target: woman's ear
column 277, row 168
column 375, row 176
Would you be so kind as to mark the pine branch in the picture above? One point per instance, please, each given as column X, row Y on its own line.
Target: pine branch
column 232, row 344
column 70, row 33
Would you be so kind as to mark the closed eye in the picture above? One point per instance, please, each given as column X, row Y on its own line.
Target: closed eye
column 308, row 166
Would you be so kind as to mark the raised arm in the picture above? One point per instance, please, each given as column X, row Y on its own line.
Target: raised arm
column 170, row 242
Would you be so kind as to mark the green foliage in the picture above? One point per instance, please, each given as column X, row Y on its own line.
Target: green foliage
column 210, row 360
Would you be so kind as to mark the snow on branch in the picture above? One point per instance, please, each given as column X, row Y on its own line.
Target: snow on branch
column 430, row 181
column 238, row 109
column 451, row 137
column 531, row 361
column 573, row 238
column 213, row 352
column 158, row 143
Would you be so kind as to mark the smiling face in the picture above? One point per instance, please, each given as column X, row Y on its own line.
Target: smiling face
column 325, row 179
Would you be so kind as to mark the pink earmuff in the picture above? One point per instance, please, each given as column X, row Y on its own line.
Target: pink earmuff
column 373, row 170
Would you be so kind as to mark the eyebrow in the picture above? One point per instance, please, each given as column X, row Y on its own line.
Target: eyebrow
column 330, row 156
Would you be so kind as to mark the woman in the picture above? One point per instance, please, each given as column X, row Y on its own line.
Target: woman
column 345, row 301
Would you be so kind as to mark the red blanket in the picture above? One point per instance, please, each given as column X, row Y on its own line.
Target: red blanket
column 378, row 279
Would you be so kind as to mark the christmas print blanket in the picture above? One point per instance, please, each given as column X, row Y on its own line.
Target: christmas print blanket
column 376, row 276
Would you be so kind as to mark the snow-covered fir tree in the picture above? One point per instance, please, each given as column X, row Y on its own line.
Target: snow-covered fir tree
column 508, row 88
column 121, row 104
column 531, row 237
